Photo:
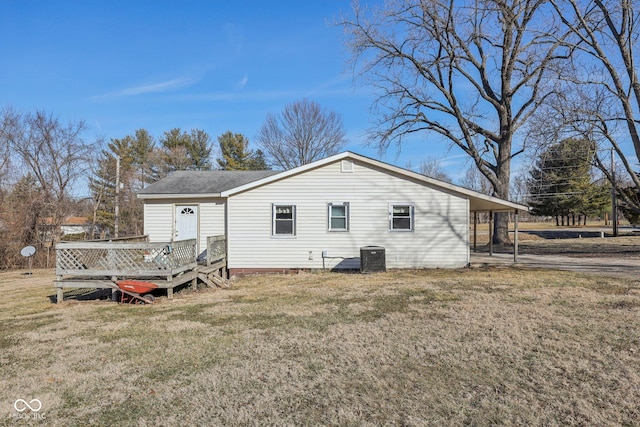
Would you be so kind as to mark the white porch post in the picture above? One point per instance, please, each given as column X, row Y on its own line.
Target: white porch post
column 515, row 237
column 475, row 231
column 490, row 233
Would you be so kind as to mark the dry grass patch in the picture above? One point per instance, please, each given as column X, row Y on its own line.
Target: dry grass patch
column 609, row 247
column 436, row 347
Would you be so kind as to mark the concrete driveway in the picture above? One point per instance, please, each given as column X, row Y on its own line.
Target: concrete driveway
column 628, row 268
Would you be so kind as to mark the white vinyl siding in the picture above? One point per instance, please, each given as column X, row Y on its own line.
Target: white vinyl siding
column 159, row 220
column 211, row 220
column 440, row 224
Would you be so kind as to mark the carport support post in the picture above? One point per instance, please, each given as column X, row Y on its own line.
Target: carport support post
column 515, row 236
column 490, row 233
column 475, row 231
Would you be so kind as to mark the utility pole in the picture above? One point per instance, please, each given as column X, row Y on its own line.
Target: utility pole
column 116, row 221
column 614, row 204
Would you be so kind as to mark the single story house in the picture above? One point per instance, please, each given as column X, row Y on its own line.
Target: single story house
column 70, row 225
column 319, row 215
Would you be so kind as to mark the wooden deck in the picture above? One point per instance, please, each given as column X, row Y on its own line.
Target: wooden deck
column 92, row 264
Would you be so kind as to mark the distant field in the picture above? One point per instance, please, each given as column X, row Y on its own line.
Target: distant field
column 537, row 225
column 437, row 347
column 536, row 231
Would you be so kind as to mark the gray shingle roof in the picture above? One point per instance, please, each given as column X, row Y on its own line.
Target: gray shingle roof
column 203, row 182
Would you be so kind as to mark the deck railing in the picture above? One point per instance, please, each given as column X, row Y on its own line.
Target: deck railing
column 125, row 259
column 216, row 250
column 139, row 238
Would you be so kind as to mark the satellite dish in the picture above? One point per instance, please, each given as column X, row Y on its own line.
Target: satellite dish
column 28, row 251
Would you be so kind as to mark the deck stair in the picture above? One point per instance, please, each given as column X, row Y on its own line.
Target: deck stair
column 210, row 275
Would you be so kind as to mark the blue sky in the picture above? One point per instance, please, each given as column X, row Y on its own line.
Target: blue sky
column 212, row 65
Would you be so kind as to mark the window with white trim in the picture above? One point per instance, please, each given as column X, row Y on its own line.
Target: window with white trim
column 284, row 220
column 338, row 216
column 401, row 217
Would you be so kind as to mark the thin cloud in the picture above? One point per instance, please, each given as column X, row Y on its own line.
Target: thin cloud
column 268, row 95
column 242, row 83
column 150, row 88
column 243, row 96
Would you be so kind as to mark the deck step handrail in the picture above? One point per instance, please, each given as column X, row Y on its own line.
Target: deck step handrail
column 216, row 250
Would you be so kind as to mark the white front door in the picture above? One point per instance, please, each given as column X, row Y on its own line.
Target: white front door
column 186, row 222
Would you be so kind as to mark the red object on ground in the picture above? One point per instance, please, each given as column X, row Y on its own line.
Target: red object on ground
column 137, row 286
column 135, row 289
column 132, row 291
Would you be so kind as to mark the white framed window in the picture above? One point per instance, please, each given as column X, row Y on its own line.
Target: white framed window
column 401, row 217
column 338, row 216
column 284, row 220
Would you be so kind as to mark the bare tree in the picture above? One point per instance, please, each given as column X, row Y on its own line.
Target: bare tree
column 5, row 164
column 432, row 168
column 302, row 133
column 471, row 73
column 54, row 154
column 474, row 180
column 601, row 102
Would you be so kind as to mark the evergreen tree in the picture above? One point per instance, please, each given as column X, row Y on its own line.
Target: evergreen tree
column 561, row 183
column 236, row 154
column 186, row 151
column 142, row 153
column 258, row 161
column 102, row 185
column 200, row 149
column 135, row 153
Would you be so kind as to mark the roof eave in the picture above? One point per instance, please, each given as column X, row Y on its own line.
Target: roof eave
column 493, row 204
column 144, row 196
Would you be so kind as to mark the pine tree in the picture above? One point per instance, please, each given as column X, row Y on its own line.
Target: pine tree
column 186, row 151
column 561, row 183
column 142, row 153
column 236, row 154
column 135, row 154
column 102, row 186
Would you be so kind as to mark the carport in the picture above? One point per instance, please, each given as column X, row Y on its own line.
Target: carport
column 491, row 205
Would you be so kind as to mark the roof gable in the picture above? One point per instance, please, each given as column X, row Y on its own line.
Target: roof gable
column 478, row 202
